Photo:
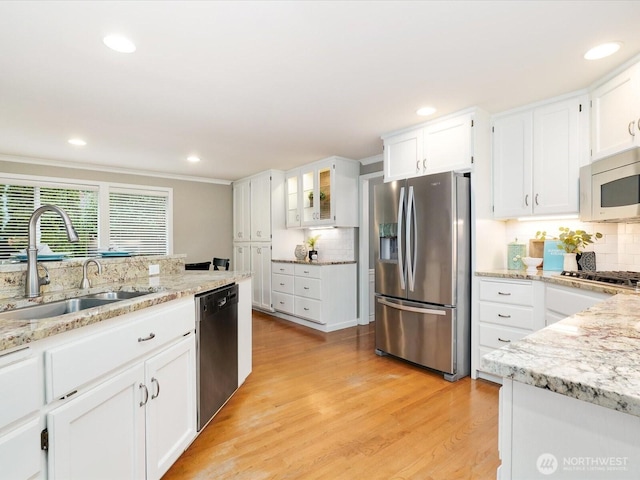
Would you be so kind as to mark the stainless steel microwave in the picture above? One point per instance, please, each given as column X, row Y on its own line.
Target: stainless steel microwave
column 610, row 189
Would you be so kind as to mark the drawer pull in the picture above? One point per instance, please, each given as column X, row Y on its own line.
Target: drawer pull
column 306, row 309
column 504, row 341
column 281, row 284
column 306, row 271
column 281, row 303
column 504, row 293
column 504, row 316
column 306, row 288
column 146, row 394
column 155, row 380
column 151, row 336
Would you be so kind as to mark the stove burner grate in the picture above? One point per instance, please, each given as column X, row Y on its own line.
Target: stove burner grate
column 625, row 278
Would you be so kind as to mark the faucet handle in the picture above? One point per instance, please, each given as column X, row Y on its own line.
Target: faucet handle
column 44, row 280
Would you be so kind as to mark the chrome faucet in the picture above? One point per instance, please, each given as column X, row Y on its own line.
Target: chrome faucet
column 34, row 280
column 85, row 280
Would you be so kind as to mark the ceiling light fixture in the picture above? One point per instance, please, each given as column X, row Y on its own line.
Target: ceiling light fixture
column 193, row 159
column 426, row 111
column 119, row 43
column 78, row 142
column 602, row 51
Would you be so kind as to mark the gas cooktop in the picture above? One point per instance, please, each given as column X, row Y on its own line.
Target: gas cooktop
column 626, row 279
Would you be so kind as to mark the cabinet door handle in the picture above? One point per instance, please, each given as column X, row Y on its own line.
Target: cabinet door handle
column 536, row 199
column 631, row 130
column 504, row 316
column 418, row 166
column 155, row 380
column 503, row 341
column 148, row 337
column 239, row 234
column 146, row 394
column 526, row 200
column 424, row 164
column 281, row 284
column 504, row 293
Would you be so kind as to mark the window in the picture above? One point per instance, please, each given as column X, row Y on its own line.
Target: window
column 131, row 218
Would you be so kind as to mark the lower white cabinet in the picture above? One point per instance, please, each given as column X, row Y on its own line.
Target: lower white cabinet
column 562, row 302
column 20, row 454
column 319, row 296
column 261, row 269
column 134, row 425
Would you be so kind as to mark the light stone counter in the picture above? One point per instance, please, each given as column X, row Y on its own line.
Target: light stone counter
column 315, row 262
column 14, row 333
column 592, row 356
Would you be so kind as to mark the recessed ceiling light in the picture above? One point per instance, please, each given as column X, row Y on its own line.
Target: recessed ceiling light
column 119, row 43
column 603, row 50
column 193, row 159
column 78, row 142
column 426, row 111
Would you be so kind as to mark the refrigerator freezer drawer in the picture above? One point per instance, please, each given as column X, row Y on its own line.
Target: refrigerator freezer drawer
column 417, row 333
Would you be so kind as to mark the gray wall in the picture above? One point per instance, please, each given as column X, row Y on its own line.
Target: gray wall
column 202, row 212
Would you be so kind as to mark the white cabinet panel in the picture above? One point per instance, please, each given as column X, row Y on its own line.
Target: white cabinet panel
column 447, row 144
column 241, row 211
column 260, row 187
column 282, row 283
column 21, row 392
column 20, row 452
column 242, row 257
column 261, row 268
column 507, row 291
column 403, row 155
column 283, row 302
column 309, row 309
column 562, row 302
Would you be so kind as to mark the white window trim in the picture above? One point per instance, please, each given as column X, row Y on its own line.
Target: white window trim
column 103, row 189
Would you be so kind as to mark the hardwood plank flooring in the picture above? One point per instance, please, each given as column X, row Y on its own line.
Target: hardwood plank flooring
column 325, row 406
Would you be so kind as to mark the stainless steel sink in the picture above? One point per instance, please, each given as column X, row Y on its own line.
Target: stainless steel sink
column 53, row 309
column 115, row 295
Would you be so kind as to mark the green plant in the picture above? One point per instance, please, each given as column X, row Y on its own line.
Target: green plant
column 573, row 241
column 322, row 196
column 311, row 241
column 542, row 235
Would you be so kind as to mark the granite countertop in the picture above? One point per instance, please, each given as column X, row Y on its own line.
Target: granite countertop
column 315, row 262
column 593, row 356
column 557, row 279
column 14, row 333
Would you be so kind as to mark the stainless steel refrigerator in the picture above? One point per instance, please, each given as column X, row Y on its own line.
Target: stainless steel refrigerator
column 422, row 271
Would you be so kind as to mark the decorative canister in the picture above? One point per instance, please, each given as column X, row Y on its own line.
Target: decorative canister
column 301, row 252
column 515, row 252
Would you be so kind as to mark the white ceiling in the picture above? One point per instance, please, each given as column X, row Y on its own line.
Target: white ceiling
column 254, row 85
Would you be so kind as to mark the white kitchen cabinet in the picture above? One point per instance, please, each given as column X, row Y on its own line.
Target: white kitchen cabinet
column 21, row 397
column 242, row 211
column 615, row 114
column 261, row 207
column 261, row 269
column 507, row 311
column 242, row 257
column 318, row 296
column 436, row 146
column 327, row 194
column 403, row 154
column 537, row 155
column 561, row 302
column 245, row 334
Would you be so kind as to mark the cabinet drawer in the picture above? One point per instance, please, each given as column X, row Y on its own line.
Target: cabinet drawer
column 282, row 283
column 20, row 389
column 283, row 268
column 73, row 364
column 309, row 309
column 283, row 302
column 496, row 337
column 509, row 315
column 520, row 293
column 312, row 271
column 20, row 451
column 308, row 287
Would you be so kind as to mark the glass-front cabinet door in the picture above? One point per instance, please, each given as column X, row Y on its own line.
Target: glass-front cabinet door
column 316, row 196
column 293, row 200
column 308, row 197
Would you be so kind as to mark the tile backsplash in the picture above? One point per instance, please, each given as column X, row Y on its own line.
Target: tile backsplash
column 335, row 244
column 618, row 249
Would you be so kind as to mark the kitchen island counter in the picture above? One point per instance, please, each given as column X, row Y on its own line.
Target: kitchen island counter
column 15, row 333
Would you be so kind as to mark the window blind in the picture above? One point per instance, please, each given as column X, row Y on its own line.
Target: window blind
column 138, row 221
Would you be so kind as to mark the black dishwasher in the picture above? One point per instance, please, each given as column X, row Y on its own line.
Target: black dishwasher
column 216, row 350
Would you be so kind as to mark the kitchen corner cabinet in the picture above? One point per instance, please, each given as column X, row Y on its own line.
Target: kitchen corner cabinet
column 323, row 193
column 561, row 302
column 318, row 296
column 129, row 413
column 21, row 397
column 615, row 114
column 537, row 155
column 437, row 146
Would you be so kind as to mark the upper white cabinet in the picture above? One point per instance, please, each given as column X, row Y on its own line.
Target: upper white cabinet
column 437, row 146
column 241, row 211
column 323, row 193
column 261, row 208
column 537, row 155
column 616, row 114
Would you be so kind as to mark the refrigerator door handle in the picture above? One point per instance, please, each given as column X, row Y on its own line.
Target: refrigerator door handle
column 407, row 308
column 411, row 253
column 400, row 257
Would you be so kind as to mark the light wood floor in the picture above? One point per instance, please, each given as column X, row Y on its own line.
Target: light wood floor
column 325, row 406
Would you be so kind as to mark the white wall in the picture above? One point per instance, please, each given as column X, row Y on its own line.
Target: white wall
column 619, row 249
